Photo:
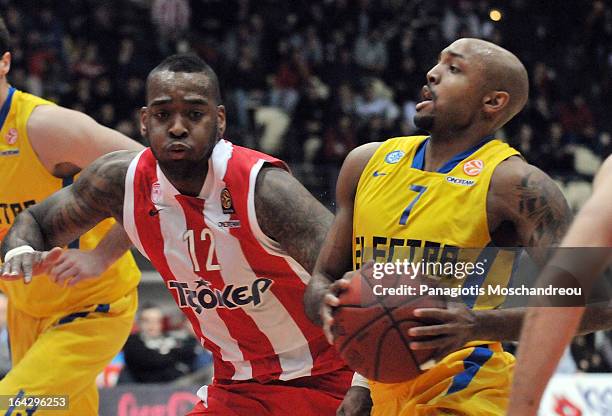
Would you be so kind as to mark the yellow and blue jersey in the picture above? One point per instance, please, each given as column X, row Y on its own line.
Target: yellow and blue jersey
column 24, row 181
column 404, row 212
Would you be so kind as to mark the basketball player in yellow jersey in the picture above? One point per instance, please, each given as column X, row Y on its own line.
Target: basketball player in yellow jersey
column 457, row 187
column 60, row 338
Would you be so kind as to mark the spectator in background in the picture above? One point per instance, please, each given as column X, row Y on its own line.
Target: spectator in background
column 248, row 87
column 376, row 110
column 72, row 44
column 555, row 158
column 576, row 118
column 309, row 116
column 371, row 52
column 338, row 141
column 5, row 353
column 290, row 74
column 171, row 18
column 151, row 355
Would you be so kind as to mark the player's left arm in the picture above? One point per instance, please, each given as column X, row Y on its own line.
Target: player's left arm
column 524, row 208
column 290, row 215
column 541, row 217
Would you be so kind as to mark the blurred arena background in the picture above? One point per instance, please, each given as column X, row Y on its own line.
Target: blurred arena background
column 310, row 80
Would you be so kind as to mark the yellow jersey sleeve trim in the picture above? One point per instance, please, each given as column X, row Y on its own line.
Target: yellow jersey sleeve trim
column 25, row 106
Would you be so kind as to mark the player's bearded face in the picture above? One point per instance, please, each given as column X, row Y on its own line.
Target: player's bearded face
column 182, row 121
column 451, row 98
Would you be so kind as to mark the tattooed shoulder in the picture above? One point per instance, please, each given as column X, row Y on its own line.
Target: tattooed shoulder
column 289, row 214
column 102, row 185
column 529, row 199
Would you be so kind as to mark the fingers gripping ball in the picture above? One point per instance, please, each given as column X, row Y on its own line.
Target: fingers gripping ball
column 371, row 331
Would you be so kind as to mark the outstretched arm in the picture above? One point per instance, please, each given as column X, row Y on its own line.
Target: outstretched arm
column 65, row 215
column 540, row 346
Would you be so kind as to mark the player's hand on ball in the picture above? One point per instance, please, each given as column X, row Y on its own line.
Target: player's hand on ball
column 357, row 402
column 73, row 266
column 330, row 301
column 456, row 326
column 28, row 263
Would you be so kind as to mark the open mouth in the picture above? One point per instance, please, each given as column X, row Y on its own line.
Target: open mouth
column 427, row 98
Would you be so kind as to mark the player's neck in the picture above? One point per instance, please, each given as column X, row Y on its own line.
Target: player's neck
column 443, row 147
column 4, row 88
column 188, row 181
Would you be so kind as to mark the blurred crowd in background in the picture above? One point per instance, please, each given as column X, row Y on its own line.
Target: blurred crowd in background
column 310, row 80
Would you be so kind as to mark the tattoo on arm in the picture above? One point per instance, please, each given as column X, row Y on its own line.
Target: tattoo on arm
column 34, row 237
column 97, row 194
column 289, row 214
column 542, row 209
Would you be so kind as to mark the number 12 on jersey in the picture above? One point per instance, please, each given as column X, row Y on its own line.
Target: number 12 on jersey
column 204, row 235
column 416, row 188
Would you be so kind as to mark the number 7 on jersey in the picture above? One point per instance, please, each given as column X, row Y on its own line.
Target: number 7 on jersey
column 416, row 188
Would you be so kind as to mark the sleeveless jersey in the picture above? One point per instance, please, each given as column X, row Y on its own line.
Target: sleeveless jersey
column 24, row 181
column 241, row 292
column 403, row 211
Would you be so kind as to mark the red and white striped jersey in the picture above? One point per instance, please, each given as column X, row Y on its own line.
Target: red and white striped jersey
column 242, row 293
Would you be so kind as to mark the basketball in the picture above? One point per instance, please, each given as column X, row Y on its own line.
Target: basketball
column 371, row 330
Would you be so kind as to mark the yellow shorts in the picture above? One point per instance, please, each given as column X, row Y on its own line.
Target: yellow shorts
column 473, row 381
column 63, row 354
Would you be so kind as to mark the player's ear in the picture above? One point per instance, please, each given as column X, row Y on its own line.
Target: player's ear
column 495, row 101
column 143, row 121
column 220, row 121
column 5, row 63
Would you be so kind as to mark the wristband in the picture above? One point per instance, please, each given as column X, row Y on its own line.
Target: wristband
column 360, row 381
column 17, row 251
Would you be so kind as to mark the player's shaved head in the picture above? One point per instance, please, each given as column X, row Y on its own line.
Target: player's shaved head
column 188, row 63
column 502, row 70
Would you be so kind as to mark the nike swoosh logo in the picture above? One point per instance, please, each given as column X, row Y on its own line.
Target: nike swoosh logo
column 154, row 212
column 377, row 174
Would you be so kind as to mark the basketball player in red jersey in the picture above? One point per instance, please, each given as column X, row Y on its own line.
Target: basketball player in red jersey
column 546, row 332
column 233, row 234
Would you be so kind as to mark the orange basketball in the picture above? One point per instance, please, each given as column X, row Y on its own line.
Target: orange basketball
column 371, row 331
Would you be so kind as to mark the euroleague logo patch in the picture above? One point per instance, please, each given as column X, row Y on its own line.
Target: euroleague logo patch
column 226, row 202
column 394, row 156
column 156, row 193
column 473, row 167
column 11, row 136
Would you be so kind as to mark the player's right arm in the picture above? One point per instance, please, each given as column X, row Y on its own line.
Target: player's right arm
column 335, row 257
column 547, row 331
column 67, row 214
